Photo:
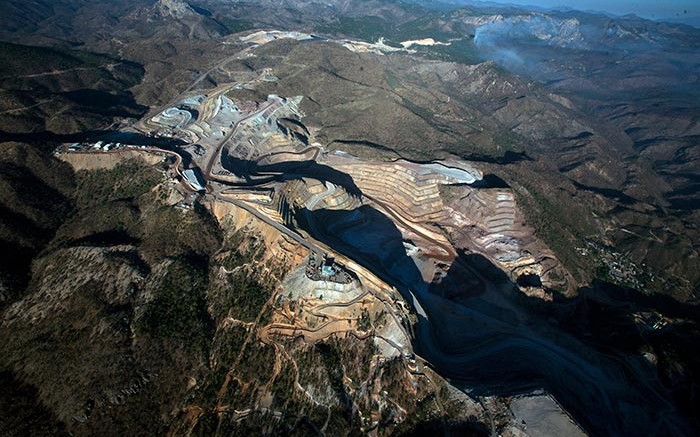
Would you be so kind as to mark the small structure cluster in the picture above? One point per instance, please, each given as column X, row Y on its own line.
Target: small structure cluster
column 99, row 146
column 326, row 269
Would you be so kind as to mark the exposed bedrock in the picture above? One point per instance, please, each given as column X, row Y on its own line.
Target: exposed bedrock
column 433, row 204
column 491, row 345
column 436, row 203
column 459, row 252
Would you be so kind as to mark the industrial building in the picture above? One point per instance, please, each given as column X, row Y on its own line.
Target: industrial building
column 324, row 268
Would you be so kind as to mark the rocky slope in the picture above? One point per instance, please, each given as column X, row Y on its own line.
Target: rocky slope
column 54, row 91
column 34, row 200
column 172, row 321
column 577, row 254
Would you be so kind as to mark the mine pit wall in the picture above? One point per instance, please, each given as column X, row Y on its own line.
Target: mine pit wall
column 282, row 206
column 416, row 196
column 280, row 249
column 291, row 254
column 490, row 223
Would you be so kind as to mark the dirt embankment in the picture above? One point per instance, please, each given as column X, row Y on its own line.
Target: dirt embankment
column 94, row 161
column 279, row 246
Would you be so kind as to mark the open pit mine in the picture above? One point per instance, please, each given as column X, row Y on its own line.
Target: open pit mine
column 432, row 252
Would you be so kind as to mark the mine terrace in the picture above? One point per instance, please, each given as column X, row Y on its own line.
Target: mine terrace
column 365, row 225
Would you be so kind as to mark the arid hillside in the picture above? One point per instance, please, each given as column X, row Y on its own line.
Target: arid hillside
column 346, row 217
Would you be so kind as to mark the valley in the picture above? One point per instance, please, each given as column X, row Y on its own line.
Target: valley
column 377, row 218
column 401, row 230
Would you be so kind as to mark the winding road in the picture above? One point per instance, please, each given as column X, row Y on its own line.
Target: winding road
column 480, row 345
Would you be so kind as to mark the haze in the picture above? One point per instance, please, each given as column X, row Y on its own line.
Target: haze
column 643, row 8
column 348, row 217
